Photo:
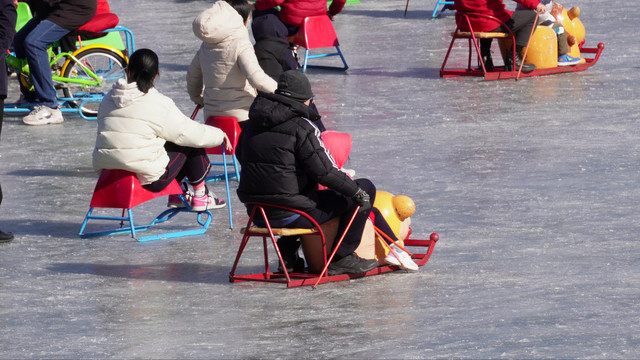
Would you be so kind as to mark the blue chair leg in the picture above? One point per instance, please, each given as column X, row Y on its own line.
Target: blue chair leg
column 226, row 182
column 306, row 58
column 235, row 166
column 444, row 4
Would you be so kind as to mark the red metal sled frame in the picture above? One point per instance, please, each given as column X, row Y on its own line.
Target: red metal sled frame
column 296, row 279
column 498, row 73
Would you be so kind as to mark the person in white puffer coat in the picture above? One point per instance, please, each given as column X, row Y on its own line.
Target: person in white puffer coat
column 225, row 75
column 142, row 131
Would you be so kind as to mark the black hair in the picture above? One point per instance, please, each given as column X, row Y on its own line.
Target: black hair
column 143, row 68
column 242, row 7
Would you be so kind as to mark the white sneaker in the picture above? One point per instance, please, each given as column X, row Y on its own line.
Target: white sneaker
column 208, row 201
column 43, row 115
column 404, row 258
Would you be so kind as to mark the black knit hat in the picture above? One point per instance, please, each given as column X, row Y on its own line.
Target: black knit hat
column 295, row 85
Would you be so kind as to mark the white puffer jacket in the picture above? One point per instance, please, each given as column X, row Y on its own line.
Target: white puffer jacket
column 133, row 128
column 225, row 73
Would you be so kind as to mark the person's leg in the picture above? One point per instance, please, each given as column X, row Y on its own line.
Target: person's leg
column 18, row 46
column 4, row 237
column 396, row 256
column 485, row 51
column 564, row 59
column 521, row 24
column 192, row 163
column 35, row 47
column 381, row 223
column 354, row 234
column 7, row 25
column 330, row 205
column 563, row 47
column 174, row 169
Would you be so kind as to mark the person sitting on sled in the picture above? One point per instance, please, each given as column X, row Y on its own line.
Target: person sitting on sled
column 283, row 161
column 142, row 131
column 521, row 22
column 546, row 19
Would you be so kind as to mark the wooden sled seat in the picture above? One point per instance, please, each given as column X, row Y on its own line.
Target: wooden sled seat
column 481, row 34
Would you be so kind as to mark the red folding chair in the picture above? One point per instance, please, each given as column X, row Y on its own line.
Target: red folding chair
column 317, row 32
column 231, row 127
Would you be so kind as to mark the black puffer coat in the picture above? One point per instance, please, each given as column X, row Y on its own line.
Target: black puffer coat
column 283, row 159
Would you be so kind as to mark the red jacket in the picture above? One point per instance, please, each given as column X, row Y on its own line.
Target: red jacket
column 292, row 12
column 494, row 8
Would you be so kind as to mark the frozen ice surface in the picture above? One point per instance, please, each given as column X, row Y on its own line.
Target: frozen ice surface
column 532, row 185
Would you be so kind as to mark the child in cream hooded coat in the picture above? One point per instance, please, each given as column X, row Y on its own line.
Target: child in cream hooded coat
column 225, row 74
column 133, row 128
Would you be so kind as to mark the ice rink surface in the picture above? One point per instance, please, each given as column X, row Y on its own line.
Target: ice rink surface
column 532, row 185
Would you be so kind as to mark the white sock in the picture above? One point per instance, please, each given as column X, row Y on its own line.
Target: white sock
column 200, row 191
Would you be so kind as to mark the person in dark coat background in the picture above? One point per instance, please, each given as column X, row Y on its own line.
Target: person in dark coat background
column 274, row 52
column 272, row 48
column 7, row 29
column 283, row 160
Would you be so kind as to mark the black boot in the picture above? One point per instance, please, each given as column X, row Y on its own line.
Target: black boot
column 5, row 237
column 288, row 246
column 352, row 264
column 488, row 62
column 508, row 63
column 485, row 51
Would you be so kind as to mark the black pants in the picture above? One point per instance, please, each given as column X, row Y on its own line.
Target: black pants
column 521, row 23
column 383, row 225
column 192, row 163
column 331, row 204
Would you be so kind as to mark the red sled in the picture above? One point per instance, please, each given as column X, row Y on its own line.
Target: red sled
column 422, row 250
column 479, row 69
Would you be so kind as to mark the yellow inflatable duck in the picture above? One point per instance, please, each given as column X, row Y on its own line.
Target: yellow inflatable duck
column 543, row 46
column 397, row 211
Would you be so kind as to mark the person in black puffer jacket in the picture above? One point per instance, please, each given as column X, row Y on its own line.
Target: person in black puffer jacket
column 283, row 160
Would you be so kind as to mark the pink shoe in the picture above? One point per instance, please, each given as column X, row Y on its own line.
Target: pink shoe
column 207, row 201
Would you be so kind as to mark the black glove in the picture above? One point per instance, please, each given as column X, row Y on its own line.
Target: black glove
column 362, row 198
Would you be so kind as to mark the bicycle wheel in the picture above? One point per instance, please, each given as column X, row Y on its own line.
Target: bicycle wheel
column 107, row 65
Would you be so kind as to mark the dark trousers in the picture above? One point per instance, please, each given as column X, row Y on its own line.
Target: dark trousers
column 521, row 23
column 192, row 163
column 331, row 204
column 383, row 225
column 291, row 29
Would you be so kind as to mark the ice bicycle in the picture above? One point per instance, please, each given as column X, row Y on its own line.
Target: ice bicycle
column 81, row 77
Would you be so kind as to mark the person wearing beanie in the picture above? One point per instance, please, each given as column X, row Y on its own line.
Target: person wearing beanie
column 284, row 160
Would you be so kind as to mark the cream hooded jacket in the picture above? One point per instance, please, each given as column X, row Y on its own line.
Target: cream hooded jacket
column 225, row 73
column 133, row 128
